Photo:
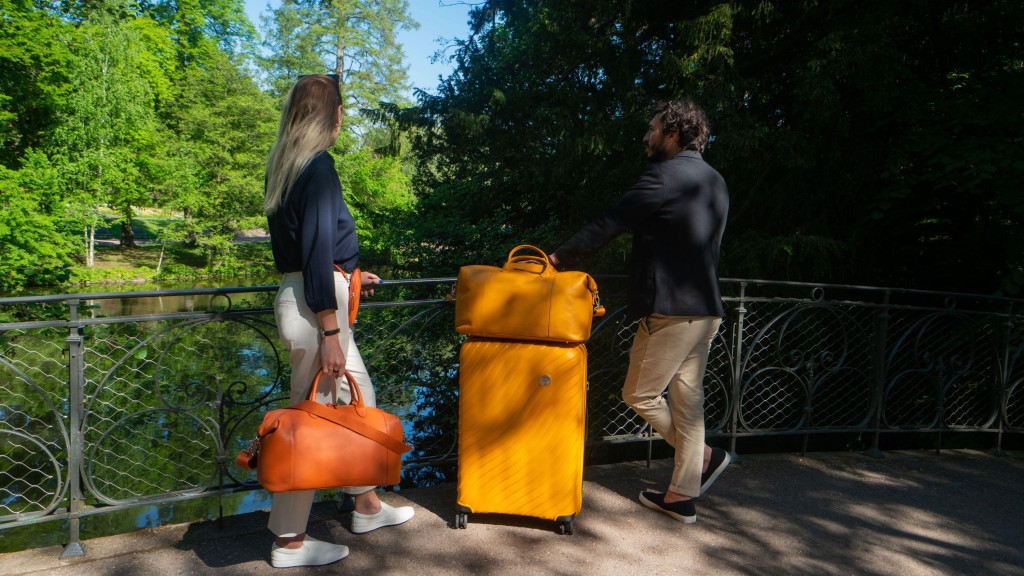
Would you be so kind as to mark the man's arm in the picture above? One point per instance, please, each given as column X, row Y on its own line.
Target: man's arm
column 639, row 202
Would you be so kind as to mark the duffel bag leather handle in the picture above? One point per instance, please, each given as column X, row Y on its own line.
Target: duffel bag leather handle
column 248, row 458
column 357, row 398
column 325, row 411
column 527, row 263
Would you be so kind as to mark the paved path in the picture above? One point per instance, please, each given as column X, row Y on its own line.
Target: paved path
column 912, row 513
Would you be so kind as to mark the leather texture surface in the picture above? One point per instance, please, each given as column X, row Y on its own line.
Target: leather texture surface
column 527, row 299
column 311, row 446
column 355, row 288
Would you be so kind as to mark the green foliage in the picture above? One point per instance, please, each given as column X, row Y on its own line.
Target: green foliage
column 33, row 251
column 874, row 143
column 32, row 74
column 108, row 118
column 877, row 130
column 378, row 193
column 354, row 39
column 117, row 104
column 866, row 143
column 221, row 129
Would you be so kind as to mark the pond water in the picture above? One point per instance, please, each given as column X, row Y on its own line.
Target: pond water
column 163, row 304
column 51, row 533
column 54, row 533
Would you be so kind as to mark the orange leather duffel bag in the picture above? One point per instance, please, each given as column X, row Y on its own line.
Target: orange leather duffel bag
column 527, row 299
column 311, row 446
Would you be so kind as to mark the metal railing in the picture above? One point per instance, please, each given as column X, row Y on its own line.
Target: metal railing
column 109, row 401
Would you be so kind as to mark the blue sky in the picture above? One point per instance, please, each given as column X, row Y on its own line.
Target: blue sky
column 438, row 19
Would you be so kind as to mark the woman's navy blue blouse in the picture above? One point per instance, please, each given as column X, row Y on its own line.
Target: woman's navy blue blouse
column 313, row 230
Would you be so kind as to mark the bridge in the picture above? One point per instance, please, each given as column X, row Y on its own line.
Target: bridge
column 114, row 401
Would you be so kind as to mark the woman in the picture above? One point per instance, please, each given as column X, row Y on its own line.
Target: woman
column 311, row 231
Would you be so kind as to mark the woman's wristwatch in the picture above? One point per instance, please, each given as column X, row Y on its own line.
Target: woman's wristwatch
column 330, row 332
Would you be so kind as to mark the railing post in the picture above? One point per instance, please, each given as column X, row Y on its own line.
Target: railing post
column 878, row 372
column 737, row 363
column 76, row 378
column 1004, row 380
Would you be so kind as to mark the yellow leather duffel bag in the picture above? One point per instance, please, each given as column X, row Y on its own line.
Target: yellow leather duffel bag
column 527, row 299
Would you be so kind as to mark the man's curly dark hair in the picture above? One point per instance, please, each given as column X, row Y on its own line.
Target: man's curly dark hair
column 688, row 119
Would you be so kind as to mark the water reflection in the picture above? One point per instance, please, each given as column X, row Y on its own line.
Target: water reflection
column 166, row 304
column 127, row 520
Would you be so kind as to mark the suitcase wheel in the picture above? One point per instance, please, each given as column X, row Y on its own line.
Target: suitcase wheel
column 566, row 527
column 461, row 520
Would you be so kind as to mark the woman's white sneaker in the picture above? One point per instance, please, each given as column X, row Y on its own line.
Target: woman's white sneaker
column 388, row 516
column 313, row 552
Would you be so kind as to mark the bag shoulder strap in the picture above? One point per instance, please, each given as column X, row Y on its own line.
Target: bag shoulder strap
column 356, row 425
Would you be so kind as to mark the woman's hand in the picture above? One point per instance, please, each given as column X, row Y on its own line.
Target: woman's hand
column 368, row 279
column 332, row 359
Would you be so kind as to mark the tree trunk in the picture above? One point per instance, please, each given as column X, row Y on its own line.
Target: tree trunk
column 161, row 260
column 339, row 70
column 90, row 245
column 127, row 234
column 191, row 239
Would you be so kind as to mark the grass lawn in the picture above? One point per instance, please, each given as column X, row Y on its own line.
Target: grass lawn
column 145, row 227
column 117, row 264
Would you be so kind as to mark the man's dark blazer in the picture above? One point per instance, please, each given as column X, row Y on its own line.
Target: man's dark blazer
column 677, row 211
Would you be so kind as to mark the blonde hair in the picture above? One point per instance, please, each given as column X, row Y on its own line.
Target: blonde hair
column 308, row 121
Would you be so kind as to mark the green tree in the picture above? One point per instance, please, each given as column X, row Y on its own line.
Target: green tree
column 868, row 143
column 33, row 250
column 203, row 28
column 355, row 39
column 108, row 120
column 379, row 195
column 31, row 76
column 212, row 168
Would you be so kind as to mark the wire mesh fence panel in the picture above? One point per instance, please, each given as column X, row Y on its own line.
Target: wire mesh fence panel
column 776, row 367
column 412, row 355
column 167, row 402
column 34, row 439
column 938, row 361
column 170, row 387
column 1013, row 400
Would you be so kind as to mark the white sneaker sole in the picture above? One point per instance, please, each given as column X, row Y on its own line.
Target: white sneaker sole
column 294, row 561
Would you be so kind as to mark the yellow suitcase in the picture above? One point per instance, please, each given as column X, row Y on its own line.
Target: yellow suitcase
column 522, row 425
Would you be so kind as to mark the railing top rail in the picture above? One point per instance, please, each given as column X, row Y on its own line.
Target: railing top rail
column 180, row 292
column 412, row 281
column 875, row 289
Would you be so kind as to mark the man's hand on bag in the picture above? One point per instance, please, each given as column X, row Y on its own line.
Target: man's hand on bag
column 368, row 279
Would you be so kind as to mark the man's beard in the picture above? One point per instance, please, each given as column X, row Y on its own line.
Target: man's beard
column 656, row 154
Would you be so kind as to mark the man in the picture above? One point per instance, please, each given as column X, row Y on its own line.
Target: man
column 677, row 212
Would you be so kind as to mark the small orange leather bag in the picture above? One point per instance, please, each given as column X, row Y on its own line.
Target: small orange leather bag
column 527, row 299
column 311, row 446
column 355, row 288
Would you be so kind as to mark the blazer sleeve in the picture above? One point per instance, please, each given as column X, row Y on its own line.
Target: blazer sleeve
column 638, row 203
column 318, row 229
